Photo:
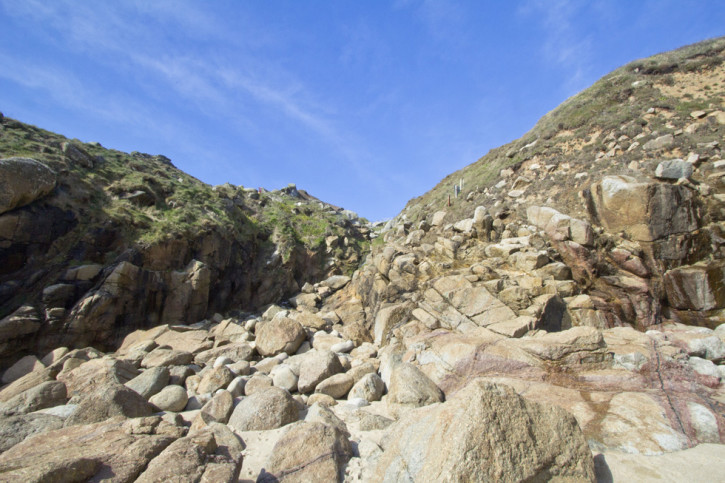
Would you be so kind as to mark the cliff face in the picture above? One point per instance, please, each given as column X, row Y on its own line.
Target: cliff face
column 95, row 243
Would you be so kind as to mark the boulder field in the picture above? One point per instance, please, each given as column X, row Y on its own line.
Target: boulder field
column 462, row 382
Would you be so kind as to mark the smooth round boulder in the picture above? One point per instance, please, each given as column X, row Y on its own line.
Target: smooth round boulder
column 170, row 398
column 336, row 386
column 268, row 409
column 284, row 377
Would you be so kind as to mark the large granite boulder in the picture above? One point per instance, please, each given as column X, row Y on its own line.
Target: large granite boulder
column 489, row 431
column 279, row 335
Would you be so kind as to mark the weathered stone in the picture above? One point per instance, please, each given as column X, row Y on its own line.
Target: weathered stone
column 257, row 383
column 318, row 413
column 238, row 351
column 342, row 347
column 45, row 395
column 315, row 368
column 25, row 320
column 308, row 300
column 514, row 328
column 359, row 371
column 54, row 356
column 97, row 373
column 307, row 319
column 26, row 382
column 141, row 336
column 695, row 464
column 571, row 346
column 438, row 218
column 324, row 341
column 197, row 457
column 309, row 451
column 150, row 381
column 217, row 410
column 107, row 401
column 171, row 398
column 283, row 377
column 22, row 181
column 279, row 335
column 696, row 287
column 236, row 387
column 193, row 341
column 83, row 273
column 268, row 409
column 114, row 450
column 336, row 386
column 659, row 143
column 646, row 211
column 216, row 378
column 636, row 422
column 166, row 357
column 488, row 431
column 410, row 386
column 370, row 387
column 386, row 319
column 372, row 422
column 77, row 154
column 674, row 169
column 560, row 226
column 335, row 282
column 15, row 429
column 22, row 367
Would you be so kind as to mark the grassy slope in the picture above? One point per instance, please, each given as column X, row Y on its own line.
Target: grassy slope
column 181, row 206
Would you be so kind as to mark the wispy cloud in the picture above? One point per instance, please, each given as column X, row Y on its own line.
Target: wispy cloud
column 113, row 35
column 563, row 43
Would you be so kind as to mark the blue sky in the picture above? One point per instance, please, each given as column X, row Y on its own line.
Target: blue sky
column 365, row 104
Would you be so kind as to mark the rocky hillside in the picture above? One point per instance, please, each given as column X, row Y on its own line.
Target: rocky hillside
column 562, row 320
column 95, row 243
column 637, row 156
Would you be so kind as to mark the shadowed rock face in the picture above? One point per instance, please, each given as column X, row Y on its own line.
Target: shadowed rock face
column 165, row 247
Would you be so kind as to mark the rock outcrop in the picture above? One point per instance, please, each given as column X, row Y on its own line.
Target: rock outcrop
column 22, row 181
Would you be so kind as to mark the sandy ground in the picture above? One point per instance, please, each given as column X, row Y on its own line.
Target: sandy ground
column 703, row 463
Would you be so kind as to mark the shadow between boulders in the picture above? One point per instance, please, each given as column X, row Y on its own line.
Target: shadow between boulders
column 601, row 469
